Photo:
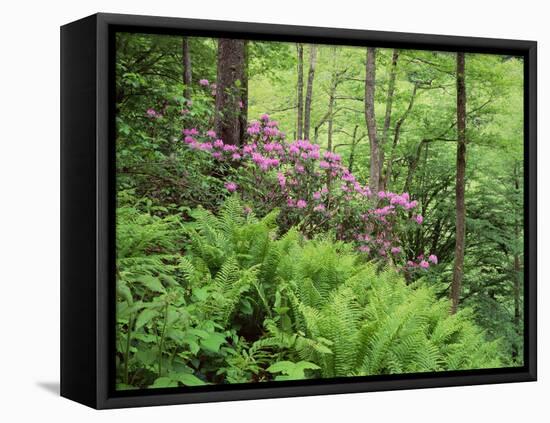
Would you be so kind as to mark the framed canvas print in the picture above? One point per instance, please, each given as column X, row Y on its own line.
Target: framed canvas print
column 257, row 211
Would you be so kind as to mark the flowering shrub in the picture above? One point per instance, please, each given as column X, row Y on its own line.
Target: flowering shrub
column 313, row 190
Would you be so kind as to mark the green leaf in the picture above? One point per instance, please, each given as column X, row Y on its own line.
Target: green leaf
column 145, row 317
column 213, row 342
column 322, row 349
column 177, row 335
column 151, row 283
column 191, row 341
column 187, row 379
column 124, row 292
column 198, row 332
column 200, row 293
column 146, row 356
column 291, row 371
column 164, row 382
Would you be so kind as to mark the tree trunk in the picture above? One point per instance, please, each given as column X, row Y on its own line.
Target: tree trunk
column 387, row 117
column 396, row 135
column 458, row 269
column 300, row 88
column 186, row 69
column 230, row 90
column 352, row 149
column 309, row 89
column 244, row 96
column 370, row 118
column 331, row 100
column 517, row 269
column 413, row 164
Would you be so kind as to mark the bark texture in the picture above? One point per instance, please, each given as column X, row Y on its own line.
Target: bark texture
column 309, row 90
column 230, row 90
column 458, row 269
column 300, row 91
column 187, row 78
column 371, row 119
column 387, row 116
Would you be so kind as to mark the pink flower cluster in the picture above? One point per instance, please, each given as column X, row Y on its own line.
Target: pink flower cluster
column 314, row 188
column 153, row 114
column 422, row 262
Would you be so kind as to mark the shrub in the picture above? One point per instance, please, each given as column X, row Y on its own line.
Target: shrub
column 227, row 298
column 313, row 191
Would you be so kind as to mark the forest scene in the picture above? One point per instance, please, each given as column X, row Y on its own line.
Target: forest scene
column 289, row 211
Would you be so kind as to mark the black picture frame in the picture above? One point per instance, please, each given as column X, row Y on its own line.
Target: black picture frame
column 87, row 210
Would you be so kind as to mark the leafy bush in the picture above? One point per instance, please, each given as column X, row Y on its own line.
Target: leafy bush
column 313, row 191
column 227, row 298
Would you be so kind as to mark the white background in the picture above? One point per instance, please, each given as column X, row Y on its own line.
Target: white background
column 29, row 236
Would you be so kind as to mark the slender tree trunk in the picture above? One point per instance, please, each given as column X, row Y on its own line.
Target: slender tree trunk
column 458, row 269
column 352, row 149
column 396, row 135
column 387, row 116
column 229, row 90
column 186, row 69
column 244, row 96
column 309, row 89
column 413, row 164
column 300, row 90
column 517, row 269
column 331, row 100
column 370, row 118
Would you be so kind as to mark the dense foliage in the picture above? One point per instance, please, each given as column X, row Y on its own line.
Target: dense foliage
column 244, row 303
column 267, row 255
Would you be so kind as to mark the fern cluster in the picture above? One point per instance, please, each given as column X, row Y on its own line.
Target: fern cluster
column 225, row 298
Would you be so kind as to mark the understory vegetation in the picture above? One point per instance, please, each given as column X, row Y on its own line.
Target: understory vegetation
column 270, row 226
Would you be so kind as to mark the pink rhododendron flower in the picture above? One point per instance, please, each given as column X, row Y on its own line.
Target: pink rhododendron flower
column 192, row 131
column 282, row 179
column 411, row 205
column 230, row 186
column 211, row 133
column 204, row 82
column 264, row 117
column 152, row 113
column 230, row 147
column 353, row 217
